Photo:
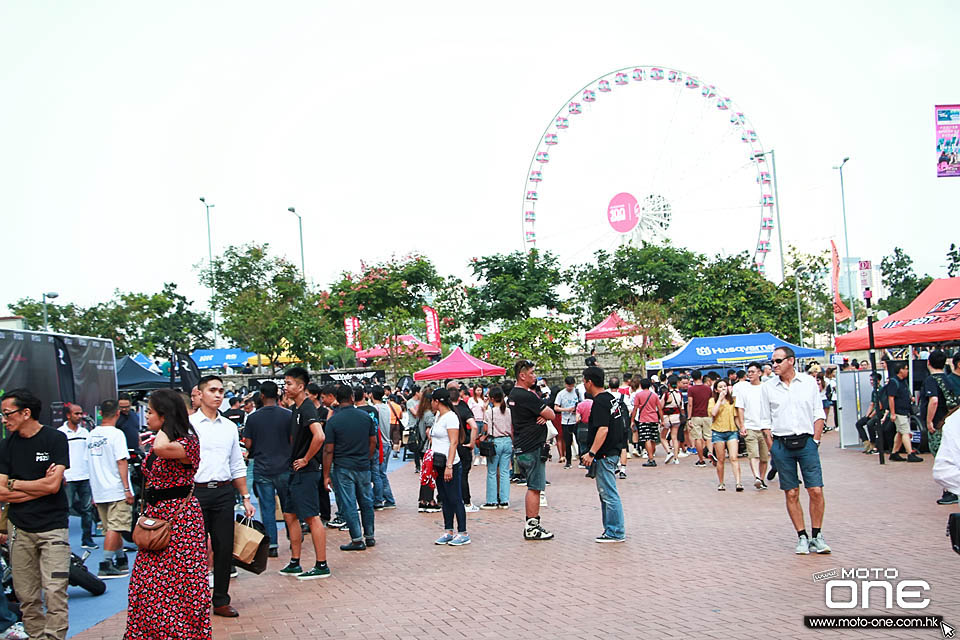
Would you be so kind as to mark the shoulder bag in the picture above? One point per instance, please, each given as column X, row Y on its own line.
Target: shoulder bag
column 485, row 446
column 153, row 534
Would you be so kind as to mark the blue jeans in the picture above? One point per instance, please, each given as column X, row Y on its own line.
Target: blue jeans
column 7, row 617
column 355, row 489
column 267, row 487
column 338, row 492
column 382, row 493
column 499, row 465
column 452, row 495
column 611, row 509
column 78, row 498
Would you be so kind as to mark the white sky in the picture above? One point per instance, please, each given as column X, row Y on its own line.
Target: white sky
column 401, row 126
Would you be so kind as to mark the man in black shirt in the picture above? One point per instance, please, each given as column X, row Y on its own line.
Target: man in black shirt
column 128, row 422
column 235, row 413
column 351, row 439
column 606, row 438
column 307, row 434
column 933, row 409
column 267, row 438
column 898, row 401
column 530, row 415
column 32, row 461
column 468, row 437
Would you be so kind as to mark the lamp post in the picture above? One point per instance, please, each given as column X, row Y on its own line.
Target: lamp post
column 210, row 263
column 796, row 286
column 49, row 295
column 776, row 204
column 846, row 243
column 303, row 268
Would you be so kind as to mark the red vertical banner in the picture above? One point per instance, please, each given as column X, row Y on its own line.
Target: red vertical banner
column 840, row 310
column 351, row 327
column 433, row 325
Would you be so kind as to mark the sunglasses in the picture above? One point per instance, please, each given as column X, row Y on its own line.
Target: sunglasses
column 779, row 360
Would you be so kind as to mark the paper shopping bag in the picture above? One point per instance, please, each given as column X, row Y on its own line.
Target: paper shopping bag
column 259, row 563
column 277, row 511
column 246, row 539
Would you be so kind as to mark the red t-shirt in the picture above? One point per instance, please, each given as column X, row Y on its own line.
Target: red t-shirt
column 646, row 412
column 698, row 395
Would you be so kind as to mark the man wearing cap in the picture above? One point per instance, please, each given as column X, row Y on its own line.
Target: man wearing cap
column 791, row 418
column 530, row 415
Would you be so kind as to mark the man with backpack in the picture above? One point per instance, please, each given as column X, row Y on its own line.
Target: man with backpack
column 608, row 424
column 938, row 398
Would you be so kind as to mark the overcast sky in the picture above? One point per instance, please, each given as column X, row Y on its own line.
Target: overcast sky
column 394, row 127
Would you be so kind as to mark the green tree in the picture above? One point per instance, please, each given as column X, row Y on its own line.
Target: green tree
column 953, row 261
column 542, row 340
column 628, row 275
column 902, row 283
column 453, row 308
column 266, row 306
column 652, row 318
column 384, row 331
column 810, row 272
column 377, row 290
column 512, row 285
column 729, row 297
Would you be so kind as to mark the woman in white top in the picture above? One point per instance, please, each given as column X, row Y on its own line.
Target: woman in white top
column 445, row 434
column 500, row 431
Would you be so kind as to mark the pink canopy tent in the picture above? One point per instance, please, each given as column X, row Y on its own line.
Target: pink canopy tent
column 409, row 342
column 459, row 364
column 612, row 327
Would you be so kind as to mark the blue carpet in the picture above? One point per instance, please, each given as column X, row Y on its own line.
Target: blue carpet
column 87, row 610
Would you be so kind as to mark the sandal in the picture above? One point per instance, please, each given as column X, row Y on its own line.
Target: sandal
column 721, row 487
column 739, row 487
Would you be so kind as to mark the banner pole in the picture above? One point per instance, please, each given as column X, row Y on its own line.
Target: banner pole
column 867, row 295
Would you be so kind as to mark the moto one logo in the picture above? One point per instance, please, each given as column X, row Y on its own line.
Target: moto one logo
column 861, row 587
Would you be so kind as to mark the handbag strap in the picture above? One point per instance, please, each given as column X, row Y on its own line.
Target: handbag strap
column 183, row 504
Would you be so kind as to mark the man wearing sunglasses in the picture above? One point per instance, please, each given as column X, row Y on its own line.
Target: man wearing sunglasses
column 791, row 418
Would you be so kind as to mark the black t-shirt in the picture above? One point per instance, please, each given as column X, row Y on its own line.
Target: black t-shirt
column 604, row 409
column 269, row 430
column 130, row 425
column 29, row 459
column 901, row 396
column 525, row 407
column 374, row 414
column 302, row 436
column 464, row 413
column 349, row 431
column 235, row 414
column 932, row 390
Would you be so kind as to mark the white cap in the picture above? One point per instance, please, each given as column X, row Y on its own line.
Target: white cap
column 654, row 378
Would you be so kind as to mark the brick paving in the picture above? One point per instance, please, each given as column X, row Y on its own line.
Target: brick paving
column 696, row 563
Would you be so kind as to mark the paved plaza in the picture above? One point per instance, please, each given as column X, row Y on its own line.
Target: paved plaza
column 697, row 563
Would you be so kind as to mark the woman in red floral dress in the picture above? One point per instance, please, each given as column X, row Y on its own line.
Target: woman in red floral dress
column 169, row 592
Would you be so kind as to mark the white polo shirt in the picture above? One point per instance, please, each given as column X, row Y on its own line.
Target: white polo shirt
column 220, row 456
column 790, row 409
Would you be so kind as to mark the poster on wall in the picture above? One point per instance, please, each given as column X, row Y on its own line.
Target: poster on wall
column 948, row 140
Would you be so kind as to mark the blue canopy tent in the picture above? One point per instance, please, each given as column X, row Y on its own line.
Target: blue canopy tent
column 211, row 358
column 144, row 362
column 727, row 350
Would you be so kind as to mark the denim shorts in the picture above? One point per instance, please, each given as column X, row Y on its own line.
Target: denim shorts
column 534, row 469
column 786, row 461
column 723, row 436
column 304, row 494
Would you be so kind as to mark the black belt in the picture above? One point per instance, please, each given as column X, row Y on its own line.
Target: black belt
column 153, row 496
column 214, row 484
column 794, row 435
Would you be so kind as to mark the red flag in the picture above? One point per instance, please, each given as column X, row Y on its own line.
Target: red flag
column 433, row 325
column 351, row 327
column 840, row 310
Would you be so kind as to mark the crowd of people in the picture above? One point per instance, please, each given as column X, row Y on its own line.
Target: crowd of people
column 307, row 443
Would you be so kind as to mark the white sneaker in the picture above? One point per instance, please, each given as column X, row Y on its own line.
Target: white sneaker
column 684, row 454
column 471, row 508
column 803, row 546
column 15, row 632
column 668, row 458
column 676, row 461
column 644, row 454
column 476, row 461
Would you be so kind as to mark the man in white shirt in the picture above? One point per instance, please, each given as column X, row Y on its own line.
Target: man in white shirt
column 946, row 466
column 791, row 416
column 77, row 476
column 221, row 471
column 747, row 401
column 110, row 485
column 566, row 405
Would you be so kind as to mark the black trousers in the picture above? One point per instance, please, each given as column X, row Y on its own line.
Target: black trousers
column 569, row 433
column 217, row 507
column 466, row 457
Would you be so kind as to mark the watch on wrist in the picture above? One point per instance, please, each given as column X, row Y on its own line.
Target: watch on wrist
column 592, row 454
column 245, row 496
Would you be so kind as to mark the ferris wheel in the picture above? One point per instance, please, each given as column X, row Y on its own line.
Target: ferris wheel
column 649, row 154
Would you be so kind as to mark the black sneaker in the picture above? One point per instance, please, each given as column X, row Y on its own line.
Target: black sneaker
column 380, row 506
column 652, row 463
column 336, row 523
column 90, row 544
column 353, row 545
column 108, row 571
column 622, row 475
column 947, row 498
column 488, row 505
column 896, row 457
column 914, row 457
column 698, row 463
column 772, row 473
column 533, row 530
column 272, row 552
column 122, row 563
column 370, row 542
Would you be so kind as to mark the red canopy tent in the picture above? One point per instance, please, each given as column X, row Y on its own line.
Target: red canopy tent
column 933, row 316
column 612, row 327
column 409, row 342
column 459, row 364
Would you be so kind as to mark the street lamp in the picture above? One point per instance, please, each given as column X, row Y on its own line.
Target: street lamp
column 49, row 295
column 776, row 203
column 210, row 258
column 796, row 286
column 846, row 243
column 303, row 268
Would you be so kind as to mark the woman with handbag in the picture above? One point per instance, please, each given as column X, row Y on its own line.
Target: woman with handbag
column 445, row 435
column 725, row 434
column 672, row 403
column 421, row 429
column 497, row 441
column 169, row 593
